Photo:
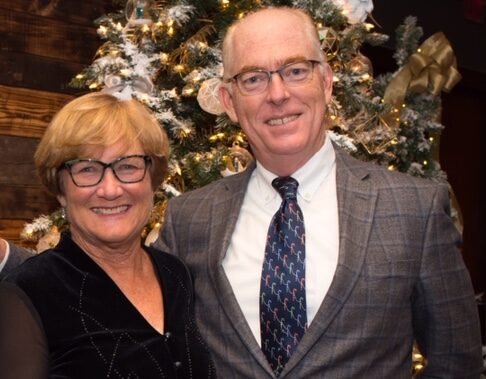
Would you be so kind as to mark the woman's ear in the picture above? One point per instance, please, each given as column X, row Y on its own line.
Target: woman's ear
column 62, row 200
column 60, row 184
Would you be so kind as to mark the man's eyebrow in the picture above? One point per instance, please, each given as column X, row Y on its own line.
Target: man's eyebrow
column 283, row 63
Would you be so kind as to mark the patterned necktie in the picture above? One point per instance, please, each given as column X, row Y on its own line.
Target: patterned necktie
column 283, row 316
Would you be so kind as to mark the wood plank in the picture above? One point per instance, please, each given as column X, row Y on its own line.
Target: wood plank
column 10, row 230
column 25, row 202
column 40, row 73
column 73, row 11
column 25, row 112
column 47, row 37
column 17, row 162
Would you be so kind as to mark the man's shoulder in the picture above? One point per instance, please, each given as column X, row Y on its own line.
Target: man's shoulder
column 233, row 184
column 380, row 175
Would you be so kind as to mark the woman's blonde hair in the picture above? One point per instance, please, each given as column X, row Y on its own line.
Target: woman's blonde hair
column 92, row 122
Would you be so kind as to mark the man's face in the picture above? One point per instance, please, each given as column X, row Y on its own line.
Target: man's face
column 284, row 124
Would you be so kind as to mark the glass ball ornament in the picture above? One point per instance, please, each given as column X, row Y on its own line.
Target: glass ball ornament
column 138, row 12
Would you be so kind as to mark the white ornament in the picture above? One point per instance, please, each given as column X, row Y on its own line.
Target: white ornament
column 207, row 96
column 355, row 10
column 124, row 90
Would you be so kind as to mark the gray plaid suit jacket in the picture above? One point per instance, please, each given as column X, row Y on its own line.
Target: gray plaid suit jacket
column 400, row 277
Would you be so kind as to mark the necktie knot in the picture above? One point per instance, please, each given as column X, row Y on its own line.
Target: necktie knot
column 286, row 186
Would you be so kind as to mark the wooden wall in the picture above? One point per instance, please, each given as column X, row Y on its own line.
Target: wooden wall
column 43, row 44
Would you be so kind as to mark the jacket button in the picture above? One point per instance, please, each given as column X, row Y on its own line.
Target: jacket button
column 177, row 364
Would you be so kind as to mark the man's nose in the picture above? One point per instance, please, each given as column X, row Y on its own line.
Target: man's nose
column 277, row 89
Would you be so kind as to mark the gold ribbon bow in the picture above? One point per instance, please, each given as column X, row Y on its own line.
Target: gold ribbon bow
column 432, row 67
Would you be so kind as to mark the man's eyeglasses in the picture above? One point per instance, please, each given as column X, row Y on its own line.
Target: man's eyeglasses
column 90, row 172
column 293, row 74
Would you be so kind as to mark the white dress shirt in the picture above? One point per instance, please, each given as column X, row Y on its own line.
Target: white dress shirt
column 317, row 198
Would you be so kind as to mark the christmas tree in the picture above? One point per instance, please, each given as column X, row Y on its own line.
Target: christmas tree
column 167, row 55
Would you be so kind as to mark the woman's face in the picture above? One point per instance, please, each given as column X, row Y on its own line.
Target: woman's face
column 110, row 214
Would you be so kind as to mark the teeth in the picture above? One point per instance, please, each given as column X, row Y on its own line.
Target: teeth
column 281, row 121
column 109, row 211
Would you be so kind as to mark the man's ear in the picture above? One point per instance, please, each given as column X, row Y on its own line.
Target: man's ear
column 328, row 82
column 226, row 99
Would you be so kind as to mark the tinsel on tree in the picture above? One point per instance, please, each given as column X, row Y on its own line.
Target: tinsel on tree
column 167, row 55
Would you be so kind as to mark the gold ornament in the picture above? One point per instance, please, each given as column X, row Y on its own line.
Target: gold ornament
column 153, row 234
column 238, row 161
column 432, row 68
column 49, row 240
column 329, row 42
column 207, row 96
column 418, row 362
column 374, row 133
column 360, row 65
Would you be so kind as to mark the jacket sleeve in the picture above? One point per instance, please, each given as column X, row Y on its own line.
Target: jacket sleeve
column 445, row 314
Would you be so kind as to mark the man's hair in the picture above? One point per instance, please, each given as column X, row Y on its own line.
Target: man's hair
column 307, row 23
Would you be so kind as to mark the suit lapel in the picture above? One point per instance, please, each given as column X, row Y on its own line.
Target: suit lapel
column 356, row 205
column 226, row 212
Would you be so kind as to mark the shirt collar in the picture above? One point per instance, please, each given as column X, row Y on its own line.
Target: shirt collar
column 310, row 176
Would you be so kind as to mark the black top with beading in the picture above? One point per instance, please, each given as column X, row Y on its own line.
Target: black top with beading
column 80, row 325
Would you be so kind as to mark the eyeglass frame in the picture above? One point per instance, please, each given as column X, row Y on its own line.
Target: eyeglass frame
column 69, row 164
column 270, row 73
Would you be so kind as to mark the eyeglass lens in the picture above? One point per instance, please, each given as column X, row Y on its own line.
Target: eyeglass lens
column 292, row 74
column 89, row 172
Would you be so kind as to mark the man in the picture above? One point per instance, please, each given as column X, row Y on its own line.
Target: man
column 382, row 264
column 382, row 261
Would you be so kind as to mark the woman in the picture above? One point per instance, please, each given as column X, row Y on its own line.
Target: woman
column 100, row 304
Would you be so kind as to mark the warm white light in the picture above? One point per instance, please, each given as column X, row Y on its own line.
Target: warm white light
column 368, row 26
column 102, row 30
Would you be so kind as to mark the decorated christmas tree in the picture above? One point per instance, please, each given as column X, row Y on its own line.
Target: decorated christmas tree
column 167, row 55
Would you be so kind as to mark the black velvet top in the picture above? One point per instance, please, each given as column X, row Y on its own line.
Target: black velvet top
column 63, row 317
